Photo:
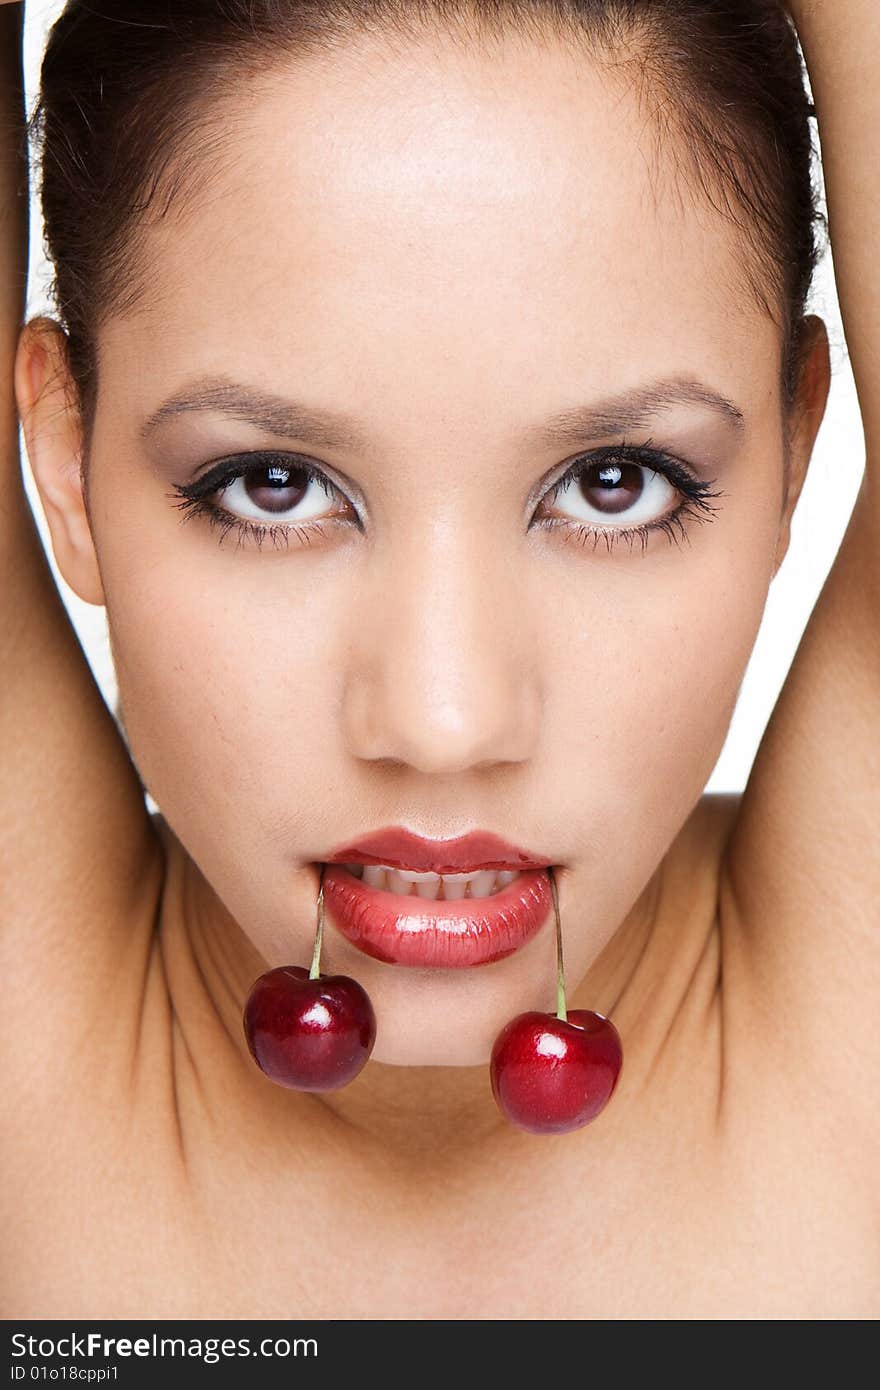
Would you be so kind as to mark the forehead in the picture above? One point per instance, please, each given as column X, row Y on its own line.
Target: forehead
column 444, row 219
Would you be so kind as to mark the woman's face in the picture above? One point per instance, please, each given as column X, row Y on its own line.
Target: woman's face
column 483, row 263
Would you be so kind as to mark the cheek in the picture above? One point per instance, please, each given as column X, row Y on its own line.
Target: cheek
column 649, row 672
column 228, row 697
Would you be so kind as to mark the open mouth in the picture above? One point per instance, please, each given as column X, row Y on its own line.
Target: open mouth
column 478, row 883
column 440, row 921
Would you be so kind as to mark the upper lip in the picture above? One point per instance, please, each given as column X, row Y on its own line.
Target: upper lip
column 401, row 849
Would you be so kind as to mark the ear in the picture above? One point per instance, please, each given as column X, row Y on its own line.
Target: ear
column 52, row 427
column 804, row 418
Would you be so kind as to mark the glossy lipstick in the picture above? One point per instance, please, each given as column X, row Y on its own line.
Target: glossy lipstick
column 439, row 934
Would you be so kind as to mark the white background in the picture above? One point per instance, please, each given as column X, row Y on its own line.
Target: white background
column 819, row 522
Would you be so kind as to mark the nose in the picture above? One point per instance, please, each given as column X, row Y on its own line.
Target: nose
column 443, row 668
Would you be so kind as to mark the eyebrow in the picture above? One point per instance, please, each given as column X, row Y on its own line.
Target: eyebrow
column 289, row 419
column 632, row 409
column 269, row 412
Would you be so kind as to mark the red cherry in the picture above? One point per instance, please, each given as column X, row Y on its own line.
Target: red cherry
column 550, row 1076
column 311, row 1034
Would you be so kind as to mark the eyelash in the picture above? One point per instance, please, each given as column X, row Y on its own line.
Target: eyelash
column 695, row 505
column 194, row 500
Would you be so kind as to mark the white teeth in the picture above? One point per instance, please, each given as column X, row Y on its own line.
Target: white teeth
column 477, row 883
column 396, row 883
column 429, row 888
column 484, row 883
column 455, row 886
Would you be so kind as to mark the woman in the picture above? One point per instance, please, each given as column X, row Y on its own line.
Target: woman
column 498, row 312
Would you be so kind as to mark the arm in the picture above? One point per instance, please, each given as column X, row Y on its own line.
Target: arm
column 803, row 866
column 76, row 842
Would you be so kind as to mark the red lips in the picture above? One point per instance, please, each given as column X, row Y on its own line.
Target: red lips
column 435, row 934
column 409, row 930
column 401, row 849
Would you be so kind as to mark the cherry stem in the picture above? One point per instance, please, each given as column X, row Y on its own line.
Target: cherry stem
column 319, row 934
column 561, row 1012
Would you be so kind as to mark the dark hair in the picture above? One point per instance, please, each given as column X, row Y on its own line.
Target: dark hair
column 131, row 120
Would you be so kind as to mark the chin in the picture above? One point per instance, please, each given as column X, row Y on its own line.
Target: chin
column 396, row 1047
column 446, row 1018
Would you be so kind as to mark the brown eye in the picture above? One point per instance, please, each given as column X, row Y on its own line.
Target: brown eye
column 612, row 487
column 275, row 489
column 595, row 490
column 279, row 490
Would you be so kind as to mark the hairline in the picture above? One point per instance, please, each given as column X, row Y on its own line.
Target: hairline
column 199, row 149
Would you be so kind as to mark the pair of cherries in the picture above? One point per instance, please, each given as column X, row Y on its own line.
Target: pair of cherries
column 550, row 1073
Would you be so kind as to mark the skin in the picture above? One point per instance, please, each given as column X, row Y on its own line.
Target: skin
column 446, row 667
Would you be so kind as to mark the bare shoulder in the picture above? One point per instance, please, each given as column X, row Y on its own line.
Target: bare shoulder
column 792, row 1136
column 78, row 968
column 799, row 892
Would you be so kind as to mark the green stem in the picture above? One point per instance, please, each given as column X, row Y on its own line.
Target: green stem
column 561, row 1012
column 319, row 934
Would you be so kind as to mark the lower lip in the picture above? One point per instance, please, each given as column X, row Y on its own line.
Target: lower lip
column 438, row 934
